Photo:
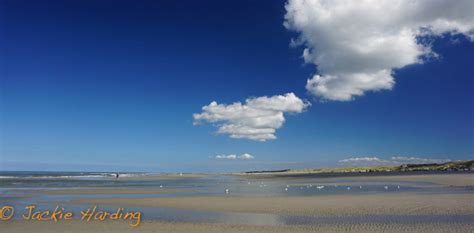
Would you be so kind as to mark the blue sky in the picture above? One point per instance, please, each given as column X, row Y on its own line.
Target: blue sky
column 107, row 85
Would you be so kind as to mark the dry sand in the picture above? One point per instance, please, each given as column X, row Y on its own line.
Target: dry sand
column 177, row 227
column 330, row 205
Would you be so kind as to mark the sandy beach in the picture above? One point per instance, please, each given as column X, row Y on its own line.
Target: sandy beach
column 333, row 205
column 373, row 211
column 170, row 176
column 456, row 180
column 166, row 227
column 87, row 191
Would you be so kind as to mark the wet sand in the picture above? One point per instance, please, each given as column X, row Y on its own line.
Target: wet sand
column 89, row 191
column 356, row 204
column 458, row 180
column 171, row 176
column 435, row 180
column 329, row 205
column 183, row 227
column 405, row 203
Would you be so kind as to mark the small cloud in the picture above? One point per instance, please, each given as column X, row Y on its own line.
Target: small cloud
column 367, row 159
column 364, row 161
column 245, row 156
column 226, row 156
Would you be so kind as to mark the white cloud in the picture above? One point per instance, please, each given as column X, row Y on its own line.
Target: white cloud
column 245, row 156
column 357, row 44
column 364, row 161
column 395, row 160
column 256, row 119
column 226, row 156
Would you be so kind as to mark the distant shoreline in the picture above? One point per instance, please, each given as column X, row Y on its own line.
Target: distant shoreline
column 404, row 169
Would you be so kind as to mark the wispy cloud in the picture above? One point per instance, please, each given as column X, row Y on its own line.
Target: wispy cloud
column 395, row 160
column 356, row 45
column 256, row 119
column 364, row 161
column 245, row 156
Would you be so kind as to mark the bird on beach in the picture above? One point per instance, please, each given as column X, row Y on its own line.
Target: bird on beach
column 320, row 187
column 398, row 187
column 161, row 186
column 226, row 191
column 286, row 189
column 385, row 187
column 360, row 187
column 348, row 188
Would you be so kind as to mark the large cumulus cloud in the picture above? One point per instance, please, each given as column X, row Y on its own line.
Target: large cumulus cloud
column 356, row 45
